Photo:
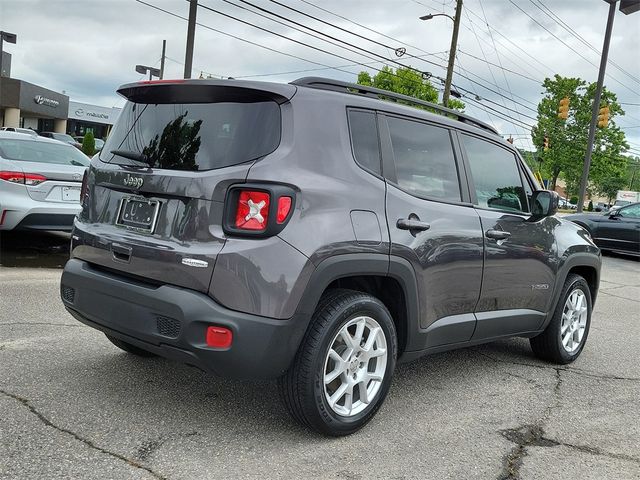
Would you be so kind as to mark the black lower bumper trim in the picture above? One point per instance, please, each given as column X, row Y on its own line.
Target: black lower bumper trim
column 129, row 310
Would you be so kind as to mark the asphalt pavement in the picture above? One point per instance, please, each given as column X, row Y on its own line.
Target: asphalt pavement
column 74, row 406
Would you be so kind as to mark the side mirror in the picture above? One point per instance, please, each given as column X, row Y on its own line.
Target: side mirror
column 615, row 213
column 544, row 203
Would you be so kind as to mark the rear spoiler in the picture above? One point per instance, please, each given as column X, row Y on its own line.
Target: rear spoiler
column 205, row 91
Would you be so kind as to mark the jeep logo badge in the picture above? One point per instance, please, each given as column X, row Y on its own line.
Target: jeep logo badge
column 130, row 181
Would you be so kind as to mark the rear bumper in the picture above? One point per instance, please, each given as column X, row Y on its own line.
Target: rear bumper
column 47, row 221
column 171, row 322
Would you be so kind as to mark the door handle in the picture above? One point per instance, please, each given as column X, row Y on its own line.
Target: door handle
column 412, row 225
column 497, row 234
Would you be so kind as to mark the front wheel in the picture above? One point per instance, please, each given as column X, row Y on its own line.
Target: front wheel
column 343, row 369
column 565, row 336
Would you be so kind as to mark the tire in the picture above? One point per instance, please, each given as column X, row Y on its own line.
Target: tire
column 127, row 347
column 303, row 388
column 550, row 344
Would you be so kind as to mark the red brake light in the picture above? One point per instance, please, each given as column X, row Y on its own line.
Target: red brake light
column 219, row 337
column 252, row 211
column 284, row 206
column 168, row 80
column 25, row 179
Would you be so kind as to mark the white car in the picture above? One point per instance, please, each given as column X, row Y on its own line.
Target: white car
column 40, row 182
column 20, row 130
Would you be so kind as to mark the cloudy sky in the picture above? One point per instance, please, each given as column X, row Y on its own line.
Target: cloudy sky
column 506, row 47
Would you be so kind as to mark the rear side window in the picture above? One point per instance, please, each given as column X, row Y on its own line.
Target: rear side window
column 43, row 152
column 194, row 136
column 425, row 163
column 495, row 175
column 364, row 139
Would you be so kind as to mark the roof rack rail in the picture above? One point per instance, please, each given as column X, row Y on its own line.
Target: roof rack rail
column 354, row 88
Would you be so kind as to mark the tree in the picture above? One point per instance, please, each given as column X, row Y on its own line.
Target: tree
column 568, row 138
column 405, row 81
column 89, row 144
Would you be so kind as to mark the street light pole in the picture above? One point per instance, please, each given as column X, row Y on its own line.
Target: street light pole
column 452, row 50
column 596, row 105
column 452, row 54
column 9, row 37
column 164, row 50
column 191, row 32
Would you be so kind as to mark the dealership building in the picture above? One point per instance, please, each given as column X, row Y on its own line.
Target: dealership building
column 23, row 104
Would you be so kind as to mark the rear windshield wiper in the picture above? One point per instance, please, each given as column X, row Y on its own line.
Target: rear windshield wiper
column 138, row 157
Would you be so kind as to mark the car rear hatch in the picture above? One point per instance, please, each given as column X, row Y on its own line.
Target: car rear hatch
column 156, row 193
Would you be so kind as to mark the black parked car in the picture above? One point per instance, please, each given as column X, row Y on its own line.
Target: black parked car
column 616, row 231
column 316, row 233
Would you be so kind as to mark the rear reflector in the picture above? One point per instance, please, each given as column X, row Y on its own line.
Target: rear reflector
column 219, row 337
column 284, row 206
column 252, row 211
column 23, row 178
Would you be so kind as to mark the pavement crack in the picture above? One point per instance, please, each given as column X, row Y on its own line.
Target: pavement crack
column 25, row 402
column 42, row 323
column 147, row 448
column 604, row 292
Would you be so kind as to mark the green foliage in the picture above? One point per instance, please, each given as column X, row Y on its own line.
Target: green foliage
column 590, row 206
column 574, row 199
column 633, row 174
column 89, row 144
column 610, row 185
column 568, row 138
column 405, row 81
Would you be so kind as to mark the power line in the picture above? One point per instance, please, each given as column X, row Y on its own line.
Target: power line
column 568, row 46
column 568, row 28
column 240, row 38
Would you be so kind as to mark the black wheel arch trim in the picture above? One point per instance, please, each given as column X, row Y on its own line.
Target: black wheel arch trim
column 579, row 259
column 365, row 264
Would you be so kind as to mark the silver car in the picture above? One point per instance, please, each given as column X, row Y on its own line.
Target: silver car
column 40, row 182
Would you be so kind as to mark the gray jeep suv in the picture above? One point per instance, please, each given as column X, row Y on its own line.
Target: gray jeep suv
column 318, row 232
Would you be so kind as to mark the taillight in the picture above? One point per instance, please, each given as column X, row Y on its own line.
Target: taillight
column 84, row 190
column 256, row 209
column 252, row 211
column 30, row 179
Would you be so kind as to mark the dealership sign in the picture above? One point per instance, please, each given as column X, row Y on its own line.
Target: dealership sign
column 48, row 102
column 92, row 113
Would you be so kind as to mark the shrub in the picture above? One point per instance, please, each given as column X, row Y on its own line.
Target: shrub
column 574, row 200
column 590, row 206
column 89, row 144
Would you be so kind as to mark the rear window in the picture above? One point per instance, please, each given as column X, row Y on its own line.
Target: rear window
column 42, row 151
column 194, row 136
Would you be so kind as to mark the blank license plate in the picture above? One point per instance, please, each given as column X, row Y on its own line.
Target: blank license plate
column 71, row 194
column 138, row 214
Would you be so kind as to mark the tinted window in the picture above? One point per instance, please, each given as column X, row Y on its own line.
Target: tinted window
column 425, row 165
column 495, row 175
column 195, row 136
column 42, row 151
column 364, row 139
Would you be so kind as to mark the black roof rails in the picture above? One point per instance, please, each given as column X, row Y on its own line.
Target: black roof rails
column 346, row 87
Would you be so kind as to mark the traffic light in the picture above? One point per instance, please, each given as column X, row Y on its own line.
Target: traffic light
column 563, row 108
column 603, row 117
column 546, row 143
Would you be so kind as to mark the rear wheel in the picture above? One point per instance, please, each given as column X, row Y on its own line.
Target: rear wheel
column 565, row 336
column 127, row 347
column 343, row 369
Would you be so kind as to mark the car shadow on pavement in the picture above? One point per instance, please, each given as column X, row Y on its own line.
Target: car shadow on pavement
column 188, row 401
column 34, row 249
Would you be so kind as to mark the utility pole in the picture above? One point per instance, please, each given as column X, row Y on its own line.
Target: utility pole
column 10, row 38
column 596, row 106
column 164, row 50
column 191, row 32
column 452, row 53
